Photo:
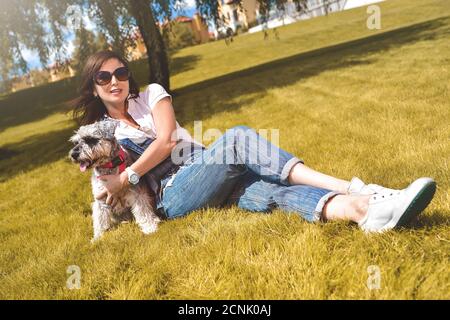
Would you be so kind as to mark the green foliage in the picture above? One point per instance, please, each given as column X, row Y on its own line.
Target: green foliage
column 87, row 43
column 40, row 25
column 178, row 35
column 20, row 24
column 38, row 77
column 5, row 86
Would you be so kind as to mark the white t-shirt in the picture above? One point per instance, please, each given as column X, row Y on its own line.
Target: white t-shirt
column 141, row 110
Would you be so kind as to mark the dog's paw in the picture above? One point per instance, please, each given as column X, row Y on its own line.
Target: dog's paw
column 149, row 228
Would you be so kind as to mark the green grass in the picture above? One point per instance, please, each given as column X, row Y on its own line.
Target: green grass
column 348, row 100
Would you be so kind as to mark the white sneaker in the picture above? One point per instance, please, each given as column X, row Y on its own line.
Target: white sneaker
column 395, row 209
column 357, row 187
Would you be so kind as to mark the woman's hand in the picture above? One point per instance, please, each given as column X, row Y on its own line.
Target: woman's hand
column 114, row 184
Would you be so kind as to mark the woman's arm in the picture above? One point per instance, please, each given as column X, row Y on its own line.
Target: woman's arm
column 157, row 151
column 161, row 147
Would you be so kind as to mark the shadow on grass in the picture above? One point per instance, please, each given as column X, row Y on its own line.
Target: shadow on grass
column 259, row 79
column 182, row 64
column 434, row 219
column 7, row 153
column 34, row 152
column 178, row 65
column 36, row 103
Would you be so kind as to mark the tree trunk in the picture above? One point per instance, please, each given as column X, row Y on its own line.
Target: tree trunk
column 156, row 52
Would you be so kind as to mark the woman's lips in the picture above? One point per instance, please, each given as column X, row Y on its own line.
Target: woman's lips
column 116, row 92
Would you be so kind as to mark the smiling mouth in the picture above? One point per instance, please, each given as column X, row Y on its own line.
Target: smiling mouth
column 116, row 91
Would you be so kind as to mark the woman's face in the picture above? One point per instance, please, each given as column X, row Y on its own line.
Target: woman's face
column 116, row 92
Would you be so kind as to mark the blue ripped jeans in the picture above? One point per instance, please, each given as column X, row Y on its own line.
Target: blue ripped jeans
column 244, row 169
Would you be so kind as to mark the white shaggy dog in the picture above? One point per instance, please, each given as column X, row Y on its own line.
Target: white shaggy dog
column 97, row 148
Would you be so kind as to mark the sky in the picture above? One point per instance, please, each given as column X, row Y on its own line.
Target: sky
column 32, row 58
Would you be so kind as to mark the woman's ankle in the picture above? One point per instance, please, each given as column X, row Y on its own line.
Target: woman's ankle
column 360, row 206
column 346, row 207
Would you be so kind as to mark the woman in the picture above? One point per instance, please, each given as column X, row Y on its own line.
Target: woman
column 237, row 168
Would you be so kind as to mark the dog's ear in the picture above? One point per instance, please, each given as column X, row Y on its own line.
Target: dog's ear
column 107, row 128
column 75, row 137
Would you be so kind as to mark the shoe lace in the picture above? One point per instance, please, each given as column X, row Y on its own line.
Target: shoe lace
column 386, row 193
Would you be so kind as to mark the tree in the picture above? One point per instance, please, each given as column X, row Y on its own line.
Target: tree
column 42, row 25
column 156, row 52
column 120, row 20
column 17, row 34
column 86, row 43
column 177, row 35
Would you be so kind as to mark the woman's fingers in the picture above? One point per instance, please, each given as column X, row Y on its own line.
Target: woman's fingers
column 114, row 202
column 101, row 195
column 109, row 199
column 103, row 178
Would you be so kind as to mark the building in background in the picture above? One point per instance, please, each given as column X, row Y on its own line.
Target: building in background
column 249, row 17
column 138, row 51
column 235, row 17
column 200, row 28
column 197, row 25
column 37, row 77
column 60, row 71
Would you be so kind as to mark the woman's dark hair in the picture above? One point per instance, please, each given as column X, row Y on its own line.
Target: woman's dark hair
column 87, row 108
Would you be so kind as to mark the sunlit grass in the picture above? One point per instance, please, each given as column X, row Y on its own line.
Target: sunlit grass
column 377, row 109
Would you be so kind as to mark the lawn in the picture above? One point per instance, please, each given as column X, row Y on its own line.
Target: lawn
column 348, row 100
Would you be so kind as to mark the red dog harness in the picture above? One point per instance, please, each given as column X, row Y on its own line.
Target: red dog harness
column 118, row 161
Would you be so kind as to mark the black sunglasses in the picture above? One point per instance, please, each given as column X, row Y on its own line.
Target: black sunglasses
column 104, row 77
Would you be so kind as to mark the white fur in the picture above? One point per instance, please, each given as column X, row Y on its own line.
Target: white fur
column 135, row 199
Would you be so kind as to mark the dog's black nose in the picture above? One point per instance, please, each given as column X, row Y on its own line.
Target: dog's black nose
column 75, row 153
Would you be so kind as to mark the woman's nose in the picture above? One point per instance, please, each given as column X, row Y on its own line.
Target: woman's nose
column 114, row 80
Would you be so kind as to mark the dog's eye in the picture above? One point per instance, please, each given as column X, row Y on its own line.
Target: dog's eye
column 90, row 141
